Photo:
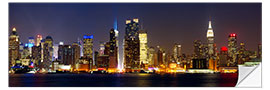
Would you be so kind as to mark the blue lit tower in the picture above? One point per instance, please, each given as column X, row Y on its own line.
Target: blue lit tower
column 131, row 47
column 88, row 49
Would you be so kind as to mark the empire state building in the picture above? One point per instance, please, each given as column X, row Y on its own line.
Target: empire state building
column 210, row 40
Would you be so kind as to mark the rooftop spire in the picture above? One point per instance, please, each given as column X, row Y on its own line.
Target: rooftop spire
column 210, row 26
column 14, row 29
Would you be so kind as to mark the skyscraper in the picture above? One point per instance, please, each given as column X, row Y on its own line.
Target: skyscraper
column 198, row 49
column 232, row 48
column 151, row 53
column 88, row 49
column 113, row 56
column 13, row 47
column 143, row 47
column 38, row 40
column 48, row 52
column 210, row 41
column 131, row 46
column 177, row 52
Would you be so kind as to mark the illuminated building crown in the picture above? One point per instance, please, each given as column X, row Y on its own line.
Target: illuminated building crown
column 210, row 32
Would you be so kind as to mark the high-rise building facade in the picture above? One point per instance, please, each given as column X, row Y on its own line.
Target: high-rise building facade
column 48, row 53
column 210, row 41
column 88, row 49
column 177, row 53
column 232, row 48
column 198, row 49
column 113, row 56
column 151, row 53
column 38, row 40
column 131, row 46
column 13, row 47
column 143, row 47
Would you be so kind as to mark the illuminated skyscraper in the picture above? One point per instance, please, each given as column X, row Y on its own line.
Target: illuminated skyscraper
column 223, row 57
column 113, row 56
column 48, row 52
column 177, row 52
column 88, row 49
column 131, row 46
column 143, row 47
column 151, row 53
column 101, row 48
column 232, row 48
column 210, row 41
column 38, row 40
column 36, row 55
column 13, row 47
column 198, row 49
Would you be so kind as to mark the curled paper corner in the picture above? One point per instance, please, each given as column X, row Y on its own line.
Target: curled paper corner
column 249, row 76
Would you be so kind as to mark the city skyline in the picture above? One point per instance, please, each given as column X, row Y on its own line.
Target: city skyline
column 47, row 26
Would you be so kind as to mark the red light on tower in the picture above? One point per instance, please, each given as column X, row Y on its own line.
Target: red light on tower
column 224, row 48
column 232, row 35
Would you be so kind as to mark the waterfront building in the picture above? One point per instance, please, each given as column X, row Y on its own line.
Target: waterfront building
column 131, row 46
column 199, row 64
column 13, row 47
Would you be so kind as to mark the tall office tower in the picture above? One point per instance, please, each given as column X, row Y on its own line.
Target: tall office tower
column 131, row 46
column 31, row 40
column 143, row 47
column 13, row 47
column 48, row 52
column 177, row 52
column 79, row 41
column 210, row 41
column 76, row 50
column 232, row 48
column 151, row 53
column 30, row 44
column 260, row 51
column 113, row 62
column 38, row 40
column 88, row 49
column 241, row 57
column 42, row 53
column 36, row 55
column 55, row 51
column 160, row 56
column 66, row 55
column 223, row 57
column 198, row 49
column 101, row 48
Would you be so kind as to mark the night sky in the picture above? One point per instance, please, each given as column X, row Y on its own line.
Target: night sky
column 165, row 23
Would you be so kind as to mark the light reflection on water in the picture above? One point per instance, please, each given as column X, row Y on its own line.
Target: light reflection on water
column 123, row 80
